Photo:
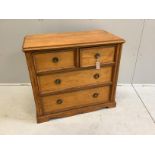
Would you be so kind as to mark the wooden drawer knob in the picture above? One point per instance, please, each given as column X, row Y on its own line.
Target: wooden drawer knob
column 97, row 55
column 96, row 76
column 57, row 81
column 55, row 60
column 95, row 95
column 59, row 101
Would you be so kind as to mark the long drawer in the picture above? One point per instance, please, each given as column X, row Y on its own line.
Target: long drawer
column 61, row 81
column 61, row 102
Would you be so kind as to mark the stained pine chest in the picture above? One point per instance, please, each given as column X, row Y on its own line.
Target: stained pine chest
column 72, row 73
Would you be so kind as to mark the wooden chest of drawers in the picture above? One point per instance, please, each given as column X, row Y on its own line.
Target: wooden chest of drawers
column 72, row 73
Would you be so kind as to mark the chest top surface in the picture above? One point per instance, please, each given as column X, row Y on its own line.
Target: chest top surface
column 69, row 39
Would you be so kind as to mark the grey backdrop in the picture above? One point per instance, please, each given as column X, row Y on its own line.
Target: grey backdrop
column 137, row 62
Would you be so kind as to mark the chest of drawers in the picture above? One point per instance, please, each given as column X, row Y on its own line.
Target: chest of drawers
column 72, row 73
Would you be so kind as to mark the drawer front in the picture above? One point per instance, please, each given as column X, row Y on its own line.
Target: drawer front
column 54, row 60
column 88, row 56
column 76, row 99
column 60, row 81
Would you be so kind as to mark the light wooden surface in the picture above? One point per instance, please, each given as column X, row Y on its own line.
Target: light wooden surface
column 75, row 99
column 74, row 79
column 34, row 83
column 56, row 77
column 45, row 41
column 87, row 55
column 44, row 62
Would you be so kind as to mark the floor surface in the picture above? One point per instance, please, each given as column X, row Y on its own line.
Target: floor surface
column 134, row 114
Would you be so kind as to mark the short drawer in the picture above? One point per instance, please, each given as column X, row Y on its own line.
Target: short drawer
column 56, row 103
column 54, row 60
column 60, row 81
column 88, row 56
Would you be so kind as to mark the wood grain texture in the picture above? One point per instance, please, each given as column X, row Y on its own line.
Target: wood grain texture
column 74, row 79
column 87, row 55
column 77, row 68
column 67, row 87
column 59, row 40
column 75, row 89
column 33, row 78
column 75, row 99
column 116, row 70
column 76, row 111
column 45, row 61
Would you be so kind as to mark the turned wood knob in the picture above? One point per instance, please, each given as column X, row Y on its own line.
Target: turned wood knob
column 96, row 76
column 57, row 81
column 55, row 59
column 97, row 55
column 95, row 95
column 59, row 101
